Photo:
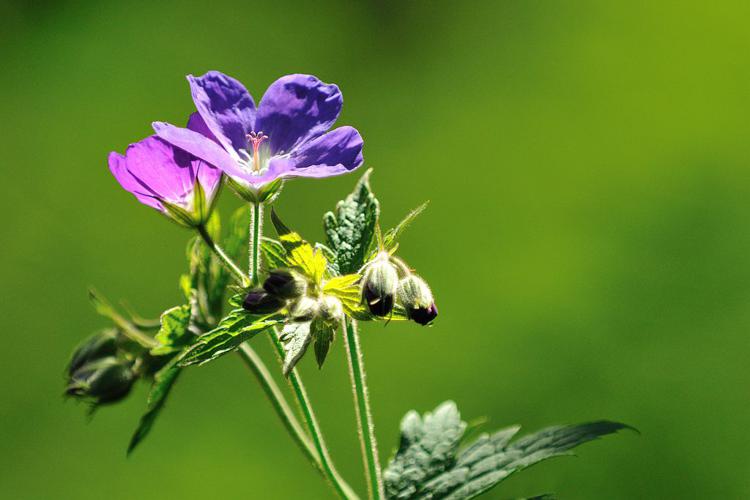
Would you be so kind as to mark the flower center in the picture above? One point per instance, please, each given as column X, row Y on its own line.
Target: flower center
column 256, row 138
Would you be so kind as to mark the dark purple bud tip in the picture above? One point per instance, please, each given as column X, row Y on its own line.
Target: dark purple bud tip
column 285, row 284
column 260, row 302
column 424, row 315
column 379, row 305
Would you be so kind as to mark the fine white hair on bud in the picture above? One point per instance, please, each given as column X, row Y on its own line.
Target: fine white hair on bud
column 304, row 309
column 331, row 309
column 380, row 284
column 416, row 297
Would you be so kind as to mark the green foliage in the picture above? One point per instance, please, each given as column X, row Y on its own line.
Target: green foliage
column 237, row 327
column 350, row 229
column 274, row 254
column 175, row 330
column 296, row 337
column 323, row 334
column 429, row 465
column 163, row 382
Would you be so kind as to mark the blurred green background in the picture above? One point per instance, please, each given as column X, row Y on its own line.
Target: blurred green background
column 587, row 239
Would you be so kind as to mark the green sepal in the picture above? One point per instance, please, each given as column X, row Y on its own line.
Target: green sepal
column 324, row 334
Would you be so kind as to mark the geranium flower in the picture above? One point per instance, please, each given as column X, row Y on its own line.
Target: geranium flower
column 167, row 178
column 285, row 136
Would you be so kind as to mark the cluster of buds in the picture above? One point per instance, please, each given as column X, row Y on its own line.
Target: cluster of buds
column 286, row 288
column 388, row 281
column 97, row 372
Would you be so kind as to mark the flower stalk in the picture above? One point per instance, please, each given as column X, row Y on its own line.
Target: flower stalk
column 273, row 392
column 217, row 250
column 329, row 470
column 364, row 415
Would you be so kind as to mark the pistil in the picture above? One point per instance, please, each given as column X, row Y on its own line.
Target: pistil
column 256, row 138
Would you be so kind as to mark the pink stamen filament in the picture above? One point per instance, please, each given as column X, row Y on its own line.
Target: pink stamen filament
column 256, row 139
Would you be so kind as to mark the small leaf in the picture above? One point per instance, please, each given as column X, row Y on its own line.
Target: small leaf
column 296, row 337
column 324, row 334
column 163, row 382
column 350, row 229
column 237, row 327
column 427, row 464
column 174, row 332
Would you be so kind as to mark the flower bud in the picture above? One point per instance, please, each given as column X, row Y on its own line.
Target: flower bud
column 97, row 346
column 105, row 380
column 304, row 309
column 331, row 309
column 259, row 302
column 285, row 283
column 379, row 285
column 416, row 297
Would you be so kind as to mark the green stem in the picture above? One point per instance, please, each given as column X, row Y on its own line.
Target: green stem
column 233, row 268
column 362, row 405
column 256, row 231
column 338, row 483
column 273, row 392
column 259, row 369
column 330, row 472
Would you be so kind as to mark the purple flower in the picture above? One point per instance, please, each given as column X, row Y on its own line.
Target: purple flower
column 167, row 178
column 285, row 136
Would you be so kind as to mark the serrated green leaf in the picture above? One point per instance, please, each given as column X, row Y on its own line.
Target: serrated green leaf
column 346, row 289
column 428, row 447
column 237, row 327
column 164, row 380
column 174, row 332
column 427, row 464
column 274, row 254
column 350, row 228
column 296, row 338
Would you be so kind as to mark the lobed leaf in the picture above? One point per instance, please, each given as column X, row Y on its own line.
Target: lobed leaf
column 350, row 228
column 428, row 466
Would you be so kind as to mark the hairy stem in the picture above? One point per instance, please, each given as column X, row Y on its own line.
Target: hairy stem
column 362, row 406
column 283, row 410
column 259, row 369
column 330, row 472
column 338, row 483
column 256, row 233
column 216, row 249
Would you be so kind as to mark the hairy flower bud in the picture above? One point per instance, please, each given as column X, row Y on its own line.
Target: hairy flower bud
column 285, row 283
column 416, row 297
column 105, row 380
column 379, row 285
column 97, row 346
column 259, row 302
column 331, row 309
column 304, row 309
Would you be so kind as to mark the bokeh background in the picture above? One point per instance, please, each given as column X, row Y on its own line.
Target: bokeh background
column 588, row 236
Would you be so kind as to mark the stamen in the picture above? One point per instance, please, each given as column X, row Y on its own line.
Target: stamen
column 256, row 138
